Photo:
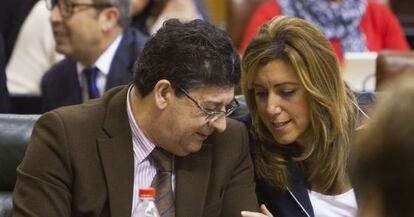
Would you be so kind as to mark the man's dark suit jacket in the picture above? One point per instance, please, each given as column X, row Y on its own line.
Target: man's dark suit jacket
column 4, row 94
column 12, row 15
column 60, row 85
column 80, row 163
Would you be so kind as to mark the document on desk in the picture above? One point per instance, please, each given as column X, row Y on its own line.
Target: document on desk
column 358, row 70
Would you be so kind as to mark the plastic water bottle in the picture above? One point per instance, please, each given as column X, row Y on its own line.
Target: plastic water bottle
column 146, row 206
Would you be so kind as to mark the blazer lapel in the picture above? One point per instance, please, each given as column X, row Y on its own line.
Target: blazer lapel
column 122, row 63
column 298, row 187
column 192, row 173
column 116, row 152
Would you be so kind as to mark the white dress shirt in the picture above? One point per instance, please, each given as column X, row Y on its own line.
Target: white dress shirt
column 144, row 171
column 342, row 205
column 103, row 63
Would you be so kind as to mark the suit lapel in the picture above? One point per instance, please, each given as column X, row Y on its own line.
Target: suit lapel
column 61, row 86
column 116, row 154
column 121, row 66
column 74, row 92
column 192, row 173
column 298, row 186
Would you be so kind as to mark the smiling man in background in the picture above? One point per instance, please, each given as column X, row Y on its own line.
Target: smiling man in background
column 99, row 47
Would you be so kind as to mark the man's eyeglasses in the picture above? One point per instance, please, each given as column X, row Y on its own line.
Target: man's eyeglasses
column 213, row 115
column 66, row 8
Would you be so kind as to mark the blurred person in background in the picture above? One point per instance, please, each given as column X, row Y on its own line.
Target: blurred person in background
column 99, row 47
column 302, row 119
column 12, row 15
column 383, row 156
column 148, row 15
column 33, row 54
column 350, row 25
column 4, row 94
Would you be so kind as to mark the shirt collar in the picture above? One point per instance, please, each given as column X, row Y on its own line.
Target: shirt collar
column 103, row 63
column 142, row 146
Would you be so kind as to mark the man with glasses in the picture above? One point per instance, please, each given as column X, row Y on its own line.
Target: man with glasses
column 91, row 159
column 99, row 47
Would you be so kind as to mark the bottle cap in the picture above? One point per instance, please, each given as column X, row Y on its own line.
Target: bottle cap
column 146, row 192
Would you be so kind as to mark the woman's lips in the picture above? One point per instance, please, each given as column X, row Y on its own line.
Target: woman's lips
column 280, row 125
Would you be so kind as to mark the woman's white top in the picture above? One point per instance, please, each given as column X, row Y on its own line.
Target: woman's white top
column 341, row 205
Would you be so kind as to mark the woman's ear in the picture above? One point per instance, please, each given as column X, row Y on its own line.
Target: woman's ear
column 163, row 92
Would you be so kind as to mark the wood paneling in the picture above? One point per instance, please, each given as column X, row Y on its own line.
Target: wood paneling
column 217, row 11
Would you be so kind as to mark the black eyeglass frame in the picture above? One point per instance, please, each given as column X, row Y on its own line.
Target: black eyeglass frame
column 69, row 7
column 212, row 114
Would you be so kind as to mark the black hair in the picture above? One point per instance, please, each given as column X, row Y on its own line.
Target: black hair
column 190, row 55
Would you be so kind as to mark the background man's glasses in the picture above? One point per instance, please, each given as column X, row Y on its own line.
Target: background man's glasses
column 66, row 8
column 213, row 115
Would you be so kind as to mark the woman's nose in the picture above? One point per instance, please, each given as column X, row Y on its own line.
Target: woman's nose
column 273, row 106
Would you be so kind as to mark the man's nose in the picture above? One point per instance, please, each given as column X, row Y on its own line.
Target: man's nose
column 55, row 15
column 218, row 123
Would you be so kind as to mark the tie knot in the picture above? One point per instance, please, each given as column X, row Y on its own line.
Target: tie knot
column 162, row 160
column 90, row 72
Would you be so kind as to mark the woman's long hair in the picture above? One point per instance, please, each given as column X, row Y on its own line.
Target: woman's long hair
column 333, row 112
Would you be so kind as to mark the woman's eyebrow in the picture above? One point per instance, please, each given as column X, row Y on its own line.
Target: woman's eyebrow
column 277, row 84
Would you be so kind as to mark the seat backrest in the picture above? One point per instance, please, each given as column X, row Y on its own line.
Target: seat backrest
column 391, row 64
column 239, row 13
column 15, row 132
column 403, row 9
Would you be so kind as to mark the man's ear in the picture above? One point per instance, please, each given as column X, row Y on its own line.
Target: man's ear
column 163, row 92
column 109, row 18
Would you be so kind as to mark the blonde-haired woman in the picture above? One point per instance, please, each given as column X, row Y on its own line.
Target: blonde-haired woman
column 302, row 118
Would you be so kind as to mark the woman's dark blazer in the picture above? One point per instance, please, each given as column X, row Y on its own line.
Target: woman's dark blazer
column 294, row 202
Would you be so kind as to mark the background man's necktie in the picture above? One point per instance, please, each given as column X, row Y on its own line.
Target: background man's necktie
column 162, row 182
column 91, row 74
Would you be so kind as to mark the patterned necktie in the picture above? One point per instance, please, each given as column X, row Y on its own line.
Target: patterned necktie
column 91, row 74
column 162, row 182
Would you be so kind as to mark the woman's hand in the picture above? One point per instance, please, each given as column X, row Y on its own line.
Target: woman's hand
column 265, row 213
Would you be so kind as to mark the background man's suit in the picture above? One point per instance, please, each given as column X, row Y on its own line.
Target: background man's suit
column 12, row 15
column 81, row 158
column 60, row 85
column 4, row 94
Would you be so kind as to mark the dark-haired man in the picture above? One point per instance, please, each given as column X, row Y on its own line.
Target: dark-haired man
column 91, row 159
column 99, row 46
